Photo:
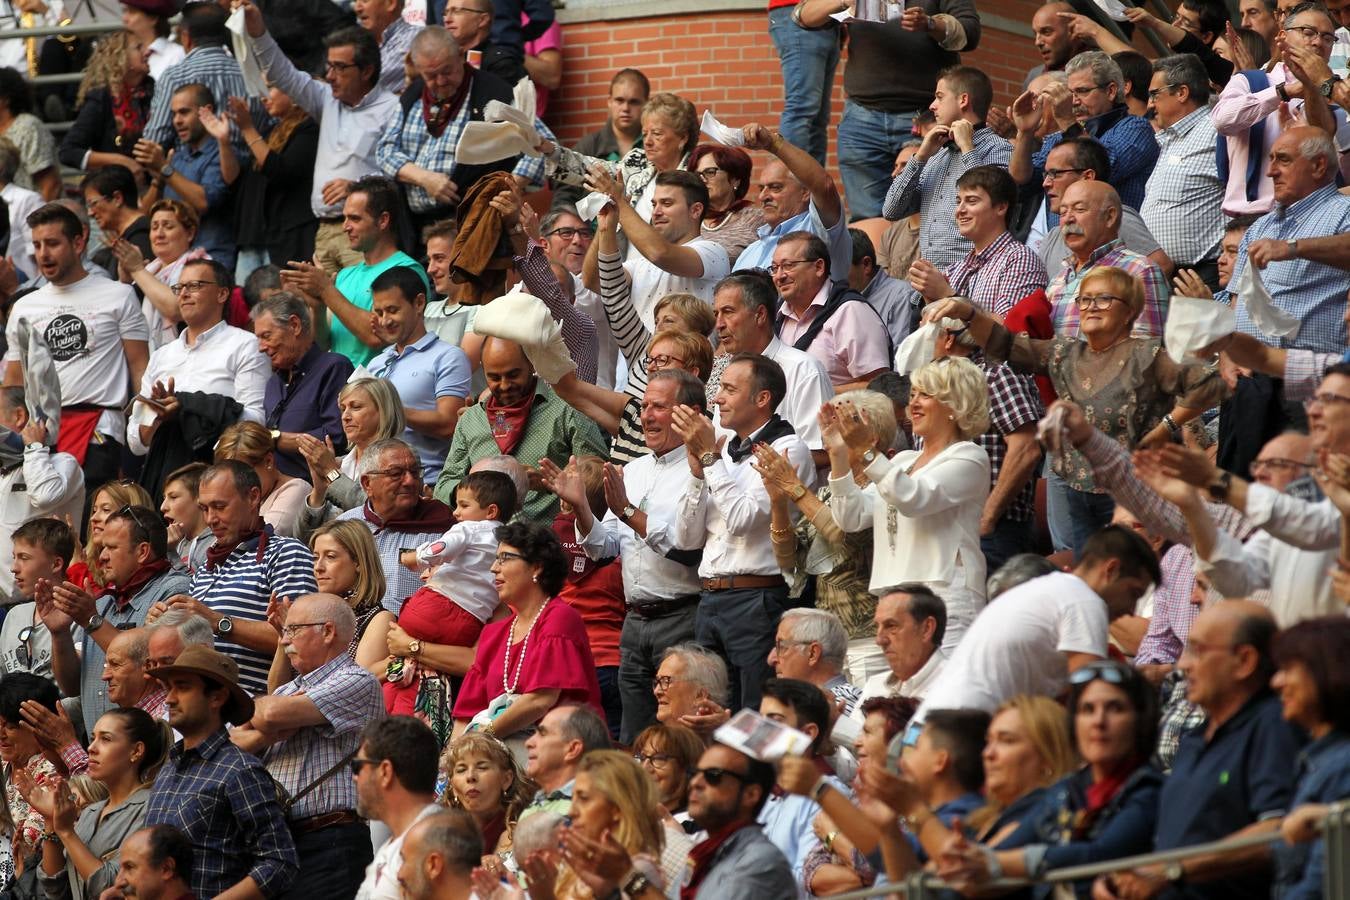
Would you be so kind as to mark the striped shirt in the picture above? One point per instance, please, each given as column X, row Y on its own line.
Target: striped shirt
column 1183, row 206
column 625, row 326
column 1063, row 291
column 215, row 68
column 1173, row 611
column 578, row 331
column 348, row 697
column 241, row 587
column 995, row 278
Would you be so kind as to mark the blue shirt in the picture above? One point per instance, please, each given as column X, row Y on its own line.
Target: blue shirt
column 353, row 283
column 1129, row 142
column 1239, row 776
column 425, row 371
column 201, row 165
column 759, row 255
column 304, row 399
column 1324, row 777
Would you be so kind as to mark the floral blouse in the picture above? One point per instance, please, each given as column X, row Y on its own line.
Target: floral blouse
column 28, row 822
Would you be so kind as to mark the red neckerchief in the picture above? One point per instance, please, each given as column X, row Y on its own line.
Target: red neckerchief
column 1100, row 793
column 426, row 516
column 700, row 858
column 438, row 113
column 508, row 422
column 128, row 112
column 217, row 554
column 139, row 579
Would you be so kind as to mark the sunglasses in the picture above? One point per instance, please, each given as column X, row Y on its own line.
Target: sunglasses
column 714, row 775
column 358, row 763
column 1111, row 674
column 129, row 512
column 25, row 656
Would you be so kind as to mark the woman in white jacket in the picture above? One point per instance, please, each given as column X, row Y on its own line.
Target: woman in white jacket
column 923, row 506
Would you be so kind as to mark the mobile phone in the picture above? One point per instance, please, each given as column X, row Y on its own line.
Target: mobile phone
column 896, row 748
column 474, row 58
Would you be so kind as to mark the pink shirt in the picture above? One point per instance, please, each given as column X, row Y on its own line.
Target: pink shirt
column 853, row 343
column 1235, row 112
column 549, row 40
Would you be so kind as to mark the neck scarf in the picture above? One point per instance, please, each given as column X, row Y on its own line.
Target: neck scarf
column 217, row 553
column 508, row 422
column 774, row 429
column 1099, row 794
column 139, row 579
column 700, row 858
column 426, row 516
column 438, row 113
column 128, row 108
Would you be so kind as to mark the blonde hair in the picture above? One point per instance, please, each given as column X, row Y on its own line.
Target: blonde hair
column 107, row 66
column 619, row 778
column 1047, row 730
column 248, row 442
column 186, row 215
column 961, row 385
column 122, row 493
column 87, row 790
column 678, row 113
column 384, row 395
column 355, row 538
column 515, row 797
column 1128, row 287
column 694, row 347
column 880, row 413
column 697, row 313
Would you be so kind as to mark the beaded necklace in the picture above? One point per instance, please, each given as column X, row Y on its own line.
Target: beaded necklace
column 510, row 687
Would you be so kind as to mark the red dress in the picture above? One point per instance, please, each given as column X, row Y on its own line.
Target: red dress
column 432, row 617
column 558, row 658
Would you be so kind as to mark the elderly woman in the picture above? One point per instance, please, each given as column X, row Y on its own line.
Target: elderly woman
column 114, row 104
column 668, row 753
column 173, row 229
column 691, row 688
column 535, row 658
column 731, row 220
column 371, row 411
column 1128, row 387
column 669, row 133
column 923, row 506
column 815, row 545
column 282, row 496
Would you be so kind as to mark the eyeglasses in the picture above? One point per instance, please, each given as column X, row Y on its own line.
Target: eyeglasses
column 335, row 66
column 358, row 762
column 568, row 233
column 658, row 760
column 1084, row 91
column 1312, row 34
column 1326, row 400
column 1108, row 672
column 656, row 363
column 1154, row 92
column 1200, row 648
column 786, row 265
column 1096, row 301
column 129, row 512
column 398, row 473
column 191, row 287
column 714, row 775
column 709, row 173
column 290, row 630
column 1055, row 174
column 506, row 556
column 663, row 682
column 465, row 11
column 1259, row 465
column 781, row 647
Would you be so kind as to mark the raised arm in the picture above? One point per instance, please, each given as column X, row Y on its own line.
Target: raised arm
column 804, row 168
column 677, row 259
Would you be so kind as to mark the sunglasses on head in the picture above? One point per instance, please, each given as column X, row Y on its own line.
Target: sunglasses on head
column 129, row 512
column 1111, row 674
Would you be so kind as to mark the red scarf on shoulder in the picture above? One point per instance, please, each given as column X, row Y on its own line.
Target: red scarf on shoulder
column 700, row 858
column 139, row 579
column 508, row 422
column 436, row 114
column 217, row 554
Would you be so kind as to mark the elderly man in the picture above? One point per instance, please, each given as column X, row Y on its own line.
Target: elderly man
column 395, row 774
column 246, row 568
column 420, row 152
column 383, row 20
column 1098, row 90
column 911, row 622
column 1232, row 777
column 795, row 194
column 958, row 142
column 306, row 731
column 1182, row 205
column 812, row 646
column 134, row 561
column 155, row 863
column 440, row 853
column 394, row 510
column 692, row 689
column 301, row 397
column 826, row 318
column 220, row 796
column 553, row 753
column 172, row 633
column 725, row 510
column 1090, row 218
column 523, row 418
column 348, row 102
column 470, row 23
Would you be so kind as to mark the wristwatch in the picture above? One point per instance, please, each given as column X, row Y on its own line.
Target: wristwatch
column 627, row 512
column 1325, row 87
column 707, row 459
column 36, row 445
column 166, row 171
column 95, row 623
column 333, row 476
column 276, row 437
column 414, row 648
column 225, row 625
column 1281, row 92
column 798, row 492
column 869, row 456
column 636, row 884
column 1218, row 488
column 1174, row 872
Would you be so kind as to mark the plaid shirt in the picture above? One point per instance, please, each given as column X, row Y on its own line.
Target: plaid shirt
column 214, row 67
column 1129, row 143
column 578, row 331
column 1303, row 371
column 348, row 697
column 1179, row 716
column 998, row 276
column 406, row 141
column 1184, row 203
column 1063, row 291
column 1314, row 293
column 929, row 187
column 1173, row 611
column 224, row 801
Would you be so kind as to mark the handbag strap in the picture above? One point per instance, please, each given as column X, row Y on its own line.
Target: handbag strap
column 290, row 803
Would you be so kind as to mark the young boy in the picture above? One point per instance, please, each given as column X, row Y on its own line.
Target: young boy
column 189, row 538
column 42, row 549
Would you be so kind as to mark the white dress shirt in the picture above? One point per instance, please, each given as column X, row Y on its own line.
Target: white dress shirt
column 224, row 360
column 654, row 485
column 727, row 513
column 47, row 484
column 808, row 387
column 886, row 684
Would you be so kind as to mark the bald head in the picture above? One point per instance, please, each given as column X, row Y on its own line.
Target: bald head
column 1089, row 217
column 1228, row 657
column 1050, row 33
column 1303, row 159
column 510, row 377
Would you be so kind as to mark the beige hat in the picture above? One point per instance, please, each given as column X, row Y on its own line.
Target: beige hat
column 213, row 666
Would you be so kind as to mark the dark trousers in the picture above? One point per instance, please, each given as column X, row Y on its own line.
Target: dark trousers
column 740, row 625
column 102, row 464
column 1008, row 539
column 1254, row 414
column 333, row 862
column 610, row 698
column 641, row 644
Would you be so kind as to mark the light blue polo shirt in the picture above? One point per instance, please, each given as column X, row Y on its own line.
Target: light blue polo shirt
column 425, row 371
column 760, row 254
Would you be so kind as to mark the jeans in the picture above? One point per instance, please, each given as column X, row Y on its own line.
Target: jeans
column 641, row 644
column 809, row 59
column 610, row 699
column 1009, row 538
column 740, row 625
column 1075, row 515
column 869, row 140
column 333, row 861
column 249, row 258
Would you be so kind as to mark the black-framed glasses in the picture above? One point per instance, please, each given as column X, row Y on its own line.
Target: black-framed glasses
column 1312, row 34
column 1082, row 92
column 1096, row 301
column 663, row 682
column 191, row 287
column 359, row 762
column 709, row 173
column 659, row 760
column 1106, row 671
column 1154, row 92
column 714, row 775
column 505, row 556
column 334, row 65
column 129, row 512
column 567, row 233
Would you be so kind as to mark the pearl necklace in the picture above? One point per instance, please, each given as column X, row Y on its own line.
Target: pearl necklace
column 510, row 687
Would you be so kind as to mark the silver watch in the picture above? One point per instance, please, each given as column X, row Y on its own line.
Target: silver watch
column 95, row 623
column 225, row 625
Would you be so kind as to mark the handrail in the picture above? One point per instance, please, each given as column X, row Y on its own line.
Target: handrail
column 919, row 884
column 72, row 30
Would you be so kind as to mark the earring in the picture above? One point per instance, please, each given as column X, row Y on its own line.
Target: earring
column 535, row 578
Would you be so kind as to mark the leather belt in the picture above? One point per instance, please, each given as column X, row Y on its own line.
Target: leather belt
column 658, row 608
column 330, row 220
column 737, row 582
column 325, row 820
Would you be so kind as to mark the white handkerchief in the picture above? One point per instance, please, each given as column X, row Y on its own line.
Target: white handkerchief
column 589, row 207
column 249, row 67
column 723, row 134
column 525, row 97
column 1268, row 318
column 481, row 143
column 917, row 349
column 524, row 319
column 1113, row 8
column 1193, row 323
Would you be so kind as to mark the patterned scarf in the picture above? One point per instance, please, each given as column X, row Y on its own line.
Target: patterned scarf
column 139, row 579
column 508, row 422
column 438, row 113
column 129, row 112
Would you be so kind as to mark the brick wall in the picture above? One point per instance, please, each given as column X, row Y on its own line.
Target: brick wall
column 726, row 62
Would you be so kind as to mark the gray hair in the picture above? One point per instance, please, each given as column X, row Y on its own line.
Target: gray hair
column 1185, row 69
column 9, row 160
column 1017, row 570
column 193, row 630
column 434, row 41
column 370, row 459
column 284, row 306
column 332, row 608
column 536, row 832
column 511, row 468
column 584, row 724
column 562, row 209
column 1320, row 145
column 1104, row 70
column 880, row 413
column 703, row 668
column 137, row 644
column 819, row 627
column 688, row 389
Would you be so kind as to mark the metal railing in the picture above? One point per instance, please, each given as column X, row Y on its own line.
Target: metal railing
column 72, row 29
column 1335, row 836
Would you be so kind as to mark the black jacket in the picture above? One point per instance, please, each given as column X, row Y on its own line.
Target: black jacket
column 95, row 129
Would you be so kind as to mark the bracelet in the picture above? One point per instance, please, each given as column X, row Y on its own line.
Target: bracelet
column 821, row 784
column 916, row 822
column 779, row 532
column 829, row 840
column 1172, row 426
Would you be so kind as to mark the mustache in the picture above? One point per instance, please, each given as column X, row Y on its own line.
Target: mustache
column 1074, row 229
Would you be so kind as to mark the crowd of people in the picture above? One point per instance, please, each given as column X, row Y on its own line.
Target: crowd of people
column 401, row 503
